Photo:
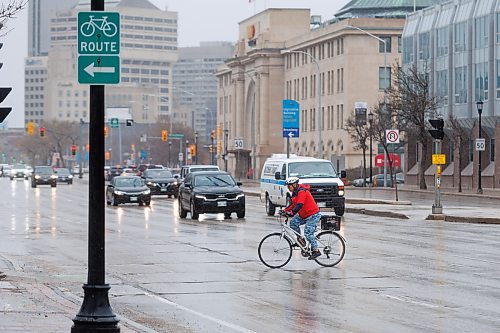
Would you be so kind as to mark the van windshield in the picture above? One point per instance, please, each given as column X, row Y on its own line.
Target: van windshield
column 311, row 170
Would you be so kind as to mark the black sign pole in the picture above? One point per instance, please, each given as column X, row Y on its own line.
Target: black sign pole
column 95, row 314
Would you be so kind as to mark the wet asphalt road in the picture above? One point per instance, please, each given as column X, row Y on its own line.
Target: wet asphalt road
column 178, row 275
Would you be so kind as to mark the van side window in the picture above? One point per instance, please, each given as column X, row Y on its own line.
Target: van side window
column 283, row 171
column 270, row 169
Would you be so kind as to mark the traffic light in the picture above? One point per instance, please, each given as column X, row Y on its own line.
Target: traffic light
column 219, row 147
column 164, row 135
column 211, row 148
column 219, row 130
column 438, row 132
column 42, row 131
column 73, row 150
column 30, row 128
column 4, row 91
column 192, row 150
column 212, row 135
column 105, row 131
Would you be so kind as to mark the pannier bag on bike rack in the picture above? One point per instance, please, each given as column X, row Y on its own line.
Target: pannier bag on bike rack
column 330, row 222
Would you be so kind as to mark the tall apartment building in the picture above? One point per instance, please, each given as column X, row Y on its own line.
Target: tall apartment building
column 195, row 85
column 40, row 12
column 147, row 53
column 457, row 44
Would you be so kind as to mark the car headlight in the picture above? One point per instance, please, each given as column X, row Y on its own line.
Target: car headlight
column 53, row 176
column 37, row 177
column 119, row 192
column 146, row 191
column 341, row 190
column 200, row 196
column 150, row 183
column 70, row 176
column 241, row 195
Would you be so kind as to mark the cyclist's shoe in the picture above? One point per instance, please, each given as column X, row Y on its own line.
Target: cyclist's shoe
column 316, row 253
column 301, row 241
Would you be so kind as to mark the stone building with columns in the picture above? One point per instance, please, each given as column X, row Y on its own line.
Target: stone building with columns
column 280, row 55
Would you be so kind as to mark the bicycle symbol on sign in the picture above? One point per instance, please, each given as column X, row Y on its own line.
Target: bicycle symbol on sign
column 109, row 29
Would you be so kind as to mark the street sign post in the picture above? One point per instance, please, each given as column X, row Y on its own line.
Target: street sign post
column 291, row 119
column 98, row 47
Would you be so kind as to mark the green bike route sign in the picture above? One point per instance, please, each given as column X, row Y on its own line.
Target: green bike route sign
column 98, row 47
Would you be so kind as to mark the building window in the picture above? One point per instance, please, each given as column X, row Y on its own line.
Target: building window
column 460, row 37
column 492, row 150
column 442, row 35
column 313, row 120
column 498, row 78
column 387, row 44
column 423, row 46
column 384, row 78
column 481, row 81
column 442, row 86
column 497, row 29
column 399, row 44
column 481, row 32
column 461, row 84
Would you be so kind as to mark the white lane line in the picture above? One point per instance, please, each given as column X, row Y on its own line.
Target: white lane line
column 406, row 300
column 210, row 318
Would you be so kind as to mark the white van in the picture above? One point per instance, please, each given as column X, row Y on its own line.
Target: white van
column 326, row 186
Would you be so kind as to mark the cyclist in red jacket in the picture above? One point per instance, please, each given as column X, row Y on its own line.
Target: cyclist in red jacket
column 304, row 211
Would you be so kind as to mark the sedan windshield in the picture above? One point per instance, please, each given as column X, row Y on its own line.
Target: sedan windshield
column 311, row 170
column 128, row 182
column 158, row 173
column 213, row 180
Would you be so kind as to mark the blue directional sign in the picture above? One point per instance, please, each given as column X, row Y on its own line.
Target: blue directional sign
column 291, row 110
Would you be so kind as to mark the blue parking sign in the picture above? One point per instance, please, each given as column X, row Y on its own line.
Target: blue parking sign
column 291, row 110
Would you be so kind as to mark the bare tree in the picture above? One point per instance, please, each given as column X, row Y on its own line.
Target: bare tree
column 411, row 100
column 10, row 9
column 359, row 133
column 459, row 137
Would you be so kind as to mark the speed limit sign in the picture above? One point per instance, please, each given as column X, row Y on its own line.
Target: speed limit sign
column 238, row 143
column 480, row 144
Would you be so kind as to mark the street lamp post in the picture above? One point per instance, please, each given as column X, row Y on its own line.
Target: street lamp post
column 385, row 88
column 169, row 152
column 195, row 147
column 479, row 106
column 226, row 134
column 370, row 120
column 320, row 113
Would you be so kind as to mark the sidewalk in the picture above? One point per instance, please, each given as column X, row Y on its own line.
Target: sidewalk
column 381, row 202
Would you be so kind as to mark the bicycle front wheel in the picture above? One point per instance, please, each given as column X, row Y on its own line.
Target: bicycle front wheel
column 332, row 248
column 275, row 250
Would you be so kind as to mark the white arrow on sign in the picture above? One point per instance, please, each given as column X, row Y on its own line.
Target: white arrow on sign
column 290, row 134
column 91, row 69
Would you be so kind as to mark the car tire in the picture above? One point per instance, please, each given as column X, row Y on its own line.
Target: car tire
column 270, row 207
column 70, row 183
column 53, row 185
column 182, row 212
column 11, row 178
column 148, row 203
column 169, row 196
column 339, row 211
column 141, row 203
column 241, row 214
column 113, row 200
column 33, row 185
column 227, row 215
column 194, row 214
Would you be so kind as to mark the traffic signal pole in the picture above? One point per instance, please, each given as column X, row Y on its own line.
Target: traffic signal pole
column 436, row 207
column 95, row 314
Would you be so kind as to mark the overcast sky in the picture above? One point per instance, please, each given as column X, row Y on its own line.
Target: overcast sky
column 199, row 20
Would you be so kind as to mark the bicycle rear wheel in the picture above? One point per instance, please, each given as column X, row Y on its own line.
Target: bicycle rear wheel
column 275, row 250
column 332, row 248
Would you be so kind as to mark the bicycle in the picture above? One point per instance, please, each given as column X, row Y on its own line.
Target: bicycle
column 109, row 29
column 275, row 249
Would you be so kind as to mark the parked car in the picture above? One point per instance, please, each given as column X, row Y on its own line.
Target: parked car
column 113, row 172
column 128, row 189
column 19, row 171
column 64, row 176
column 360, row 183
column 210, row 192
column 161, row 181
column 378, row 180
column 43, row 175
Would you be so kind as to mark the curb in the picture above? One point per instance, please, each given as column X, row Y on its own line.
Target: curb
column 377, row 213
column 376, row 201
column 463, row 219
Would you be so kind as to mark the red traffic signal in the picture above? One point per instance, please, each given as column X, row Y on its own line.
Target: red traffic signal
column 73, row 150
column 42, row 131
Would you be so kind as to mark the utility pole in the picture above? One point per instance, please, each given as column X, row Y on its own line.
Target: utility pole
column 80, row 151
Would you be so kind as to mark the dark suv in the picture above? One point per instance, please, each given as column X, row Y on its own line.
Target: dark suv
column 210, row 192
column 161, row 181
column 43, row 175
